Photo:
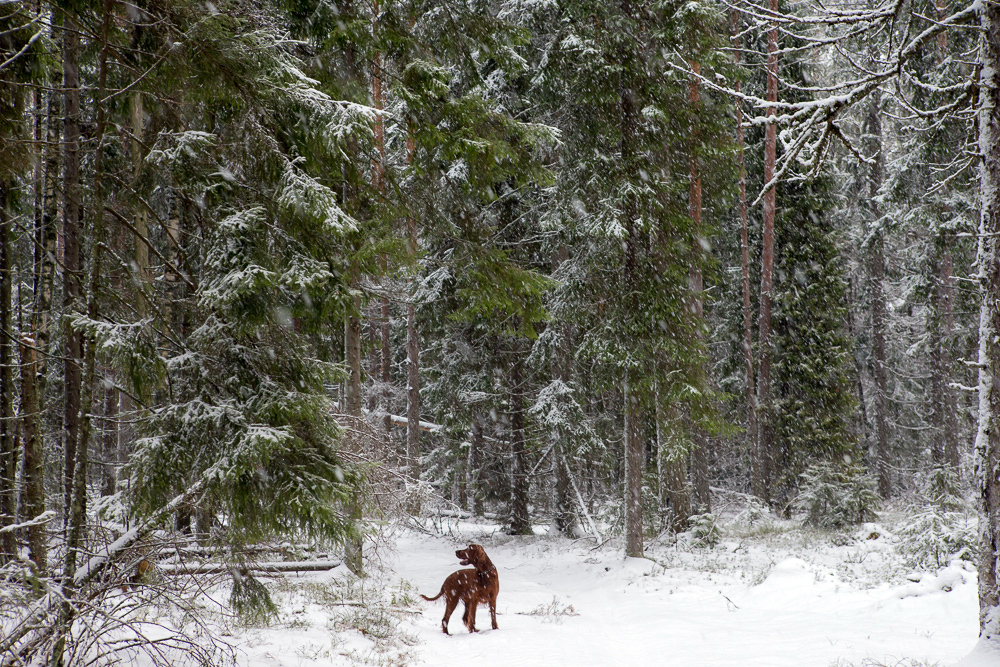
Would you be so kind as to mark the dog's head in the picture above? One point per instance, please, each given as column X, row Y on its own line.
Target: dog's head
column 473, row 555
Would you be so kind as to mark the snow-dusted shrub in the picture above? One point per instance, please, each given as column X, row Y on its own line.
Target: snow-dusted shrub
column 942, row 488
column 704, row 530
column 943, row 529
column 756, row 513
column 935, row 536
column 834, row 496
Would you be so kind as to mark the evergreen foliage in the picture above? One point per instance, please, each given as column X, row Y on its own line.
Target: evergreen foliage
column 836, row 495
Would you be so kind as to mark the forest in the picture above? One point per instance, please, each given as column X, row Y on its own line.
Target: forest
column 280, row 275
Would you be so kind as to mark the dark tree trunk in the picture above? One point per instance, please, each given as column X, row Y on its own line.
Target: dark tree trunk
column 109, row 443
column 876, row 274
column 520, row 520
column 412, row 355
column 765, row 455
column 352, row 353
column 756, row 462
column 475, row 463
column 8, row 428
column 632, row 408
column 700, row 487
column 34, row 457
column 72, row 268
column 671, row 472
column 633, row 472
column 943, row 403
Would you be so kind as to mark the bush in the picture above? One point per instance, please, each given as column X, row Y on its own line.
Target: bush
column 834, row 496
column 704, row 530
column 935, row 536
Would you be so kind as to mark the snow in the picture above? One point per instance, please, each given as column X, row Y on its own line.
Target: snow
column 776, row 597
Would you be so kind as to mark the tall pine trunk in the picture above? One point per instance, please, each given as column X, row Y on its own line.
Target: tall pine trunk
column 700, row 491
column 473, row 468
column 8, row 428
column 987, row 451
column 378, row 176
column 352, row 353
column 876, row 274
column 72, row 268
column 77, row 508
column 633, row 440
column 520, row 521
column 671, row 472
column 756, row 463
column 765, row 454
column 412, row 351
column 34, row 457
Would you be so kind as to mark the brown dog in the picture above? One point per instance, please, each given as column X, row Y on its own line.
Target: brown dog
column 479, row 584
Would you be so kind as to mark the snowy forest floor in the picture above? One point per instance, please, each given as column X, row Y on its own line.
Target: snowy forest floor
column 774, row 594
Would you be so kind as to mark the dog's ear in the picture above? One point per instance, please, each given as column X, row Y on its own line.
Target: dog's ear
column 477, row 556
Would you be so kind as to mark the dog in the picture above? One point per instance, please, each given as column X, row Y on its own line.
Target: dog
column 478, row 584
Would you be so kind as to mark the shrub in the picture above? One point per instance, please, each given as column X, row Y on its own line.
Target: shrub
column 935, row 536
column 834, row 496
column 704, row 530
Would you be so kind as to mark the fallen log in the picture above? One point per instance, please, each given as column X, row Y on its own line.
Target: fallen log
column 219, row 568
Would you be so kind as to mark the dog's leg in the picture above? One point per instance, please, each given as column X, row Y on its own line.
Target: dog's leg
column 493, row 612
column 470, row 611
column 450, row 604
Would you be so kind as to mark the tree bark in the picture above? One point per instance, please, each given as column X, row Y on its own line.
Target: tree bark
column 700, row 487
column 756, row 460
column 671, row 472
column 352, row 353
column 946, row 309
column 8, row 428
column 633, row 472
column 876, row 274
column 633, row 441
column 34, row 456
column 987, row 448
column 109, row 444
column 378, row 176
column 475, row 463
column 77, row 509
column 520, row 520
column 72, row 268
column 412, row 352
column 766, row 455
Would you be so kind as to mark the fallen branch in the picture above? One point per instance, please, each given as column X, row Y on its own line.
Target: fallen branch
column 219, row 568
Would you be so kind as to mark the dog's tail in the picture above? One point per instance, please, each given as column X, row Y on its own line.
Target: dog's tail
column 440, row 593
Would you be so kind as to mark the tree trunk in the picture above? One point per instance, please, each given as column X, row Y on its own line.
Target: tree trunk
column 475, row 463
column 109, row 443
column 8, row 428
column 756, row 460
column 876, row 273
column 633, row 440
column 141, row 255
column 352, row 353
column 766, row 454
column 671, row 473
column 72, row 269
column 987, row 454
column 520, row 520
column 633, row 473
column 700, row 487
column 950, row 426
column 412, row 352
column 46, row 235
column 34, row 455
column 77, row 509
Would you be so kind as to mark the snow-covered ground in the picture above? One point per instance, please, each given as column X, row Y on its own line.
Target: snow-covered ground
column 773, row 596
